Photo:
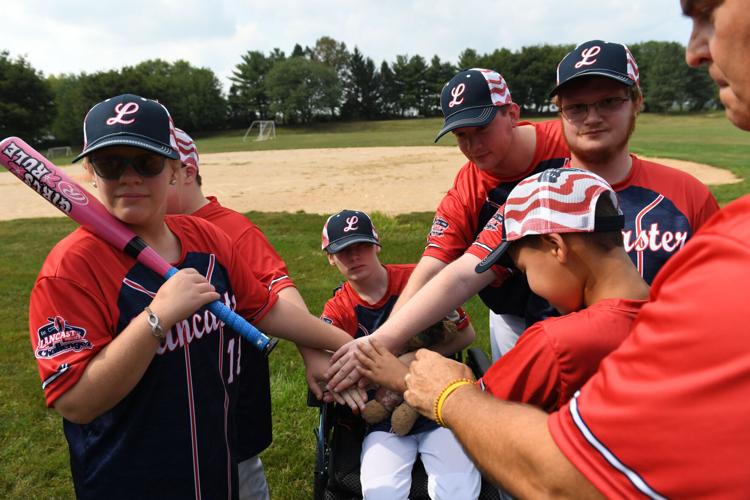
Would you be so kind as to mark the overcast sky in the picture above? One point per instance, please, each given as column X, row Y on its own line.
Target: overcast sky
column 71, row 36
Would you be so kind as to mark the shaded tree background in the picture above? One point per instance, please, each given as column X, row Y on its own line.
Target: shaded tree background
column 26, row 100
column 323, row 82
column 301, row 89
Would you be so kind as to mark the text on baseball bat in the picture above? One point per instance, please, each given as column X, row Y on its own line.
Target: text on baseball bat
column 36, row 174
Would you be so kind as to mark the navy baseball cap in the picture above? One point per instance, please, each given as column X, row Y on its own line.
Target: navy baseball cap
column 596, row 57
column 347, row 228
column 129, row 120
column 471, row 99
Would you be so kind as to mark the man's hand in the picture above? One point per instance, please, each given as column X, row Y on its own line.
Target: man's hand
column 429, row 374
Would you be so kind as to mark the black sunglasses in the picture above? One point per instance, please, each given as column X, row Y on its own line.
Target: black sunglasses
column 111, row 167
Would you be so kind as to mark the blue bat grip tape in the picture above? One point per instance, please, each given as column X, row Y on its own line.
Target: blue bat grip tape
column 236, row 322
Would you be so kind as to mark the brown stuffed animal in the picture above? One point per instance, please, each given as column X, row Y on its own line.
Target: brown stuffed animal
column 388, row 403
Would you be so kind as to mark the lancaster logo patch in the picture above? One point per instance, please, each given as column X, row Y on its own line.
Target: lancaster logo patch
column 439, row 225
column 495, row 223
column 57, row 337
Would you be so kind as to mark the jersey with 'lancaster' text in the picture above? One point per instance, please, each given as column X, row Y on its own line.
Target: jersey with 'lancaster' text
column 173, row 431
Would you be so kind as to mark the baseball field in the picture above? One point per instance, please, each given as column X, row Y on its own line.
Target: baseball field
column 286, row 185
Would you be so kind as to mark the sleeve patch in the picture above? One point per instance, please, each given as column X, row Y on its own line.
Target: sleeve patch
column 439, row 225
column 58, row 336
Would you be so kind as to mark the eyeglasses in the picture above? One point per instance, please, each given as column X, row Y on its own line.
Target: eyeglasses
column 605, row 107
column 112, row 167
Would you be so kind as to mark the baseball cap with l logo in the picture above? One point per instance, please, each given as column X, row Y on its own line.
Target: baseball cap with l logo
column 129, row 120
column 471, row 99
column 347, row 228
column 597, row 57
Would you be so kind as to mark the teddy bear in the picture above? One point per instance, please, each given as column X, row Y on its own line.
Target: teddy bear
column 388, row 403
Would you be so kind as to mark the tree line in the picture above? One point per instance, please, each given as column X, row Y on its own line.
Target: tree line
column 324, row 82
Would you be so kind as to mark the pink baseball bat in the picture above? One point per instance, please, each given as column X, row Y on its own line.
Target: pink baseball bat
column 65, row 194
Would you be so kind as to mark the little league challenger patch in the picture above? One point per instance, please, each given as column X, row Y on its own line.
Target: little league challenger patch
column 439, row 225
column 495, row 223
column 57, row 337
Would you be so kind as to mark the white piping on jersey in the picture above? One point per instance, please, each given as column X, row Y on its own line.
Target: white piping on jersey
column 610, row 457
column 273, row 282
column 276, row 280
column 223, row 379
column 60, row 370
column 138, row 287
column 193, row 431
column 639, row 228
column 482, row 245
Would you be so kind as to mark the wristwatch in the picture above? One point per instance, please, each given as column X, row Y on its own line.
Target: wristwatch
column 153, row 321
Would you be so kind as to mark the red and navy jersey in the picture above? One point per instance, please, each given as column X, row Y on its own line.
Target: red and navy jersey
column 663, row 207
column 666, row 415
column 555, row 357
column 474, row 199
column 254, row 406
column 173, row 432
column 358, row 318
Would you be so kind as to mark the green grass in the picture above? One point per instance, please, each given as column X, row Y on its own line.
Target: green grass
column 704, row 138
column 33, row 455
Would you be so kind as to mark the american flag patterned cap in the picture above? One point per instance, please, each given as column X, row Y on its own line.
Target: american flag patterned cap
column 471, row 99
column 558, row 200
column 186, row 148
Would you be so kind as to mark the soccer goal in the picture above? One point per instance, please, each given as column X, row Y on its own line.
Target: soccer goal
column 266, row 130
column 60, row 150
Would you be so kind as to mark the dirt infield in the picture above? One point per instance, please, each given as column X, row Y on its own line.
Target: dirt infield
column 323, row 181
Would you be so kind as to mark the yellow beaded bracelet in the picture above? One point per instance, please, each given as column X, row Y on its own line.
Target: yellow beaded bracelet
column 447, row 391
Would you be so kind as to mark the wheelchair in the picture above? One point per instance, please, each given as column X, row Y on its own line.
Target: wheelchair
column 339, row 439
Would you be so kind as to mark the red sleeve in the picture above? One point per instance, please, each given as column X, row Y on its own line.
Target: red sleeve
column 338, row 314
column 528, row 373
column 254, row 299
column 68, row 327
column 266, row 264
column 453, row 226
column 704, row 211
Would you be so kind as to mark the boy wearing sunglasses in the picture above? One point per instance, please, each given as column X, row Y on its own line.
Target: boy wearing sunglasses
column 144, row 376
